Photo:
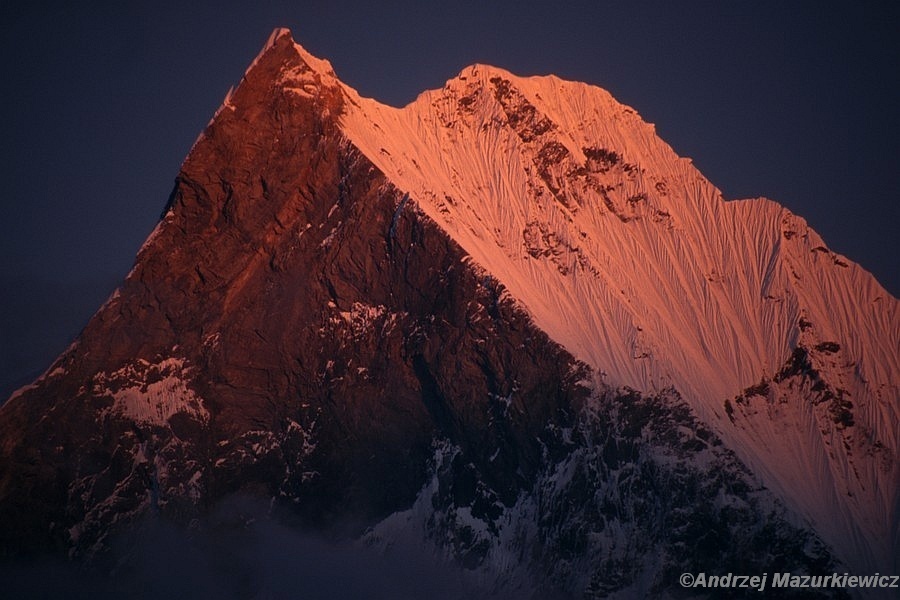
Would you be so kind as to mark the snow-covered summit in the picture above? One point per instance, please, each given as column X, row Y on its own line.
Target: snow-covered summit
column 626, row 255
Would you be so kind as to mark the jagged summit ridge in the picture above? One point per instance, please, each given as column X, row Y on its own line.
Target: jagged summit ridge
column 424, row 147
column 626, row 255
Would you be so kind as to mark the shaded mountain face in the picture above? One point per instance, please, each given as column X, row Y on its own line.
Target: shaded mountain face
column 294, row 325
column 416, row 327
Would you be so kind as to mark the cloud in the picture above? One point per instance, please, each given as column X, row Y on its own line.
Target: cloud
column 240, row 552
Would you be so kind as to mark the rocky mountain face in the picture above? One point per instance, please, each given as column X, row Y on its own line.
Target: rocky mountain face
column 504, row 325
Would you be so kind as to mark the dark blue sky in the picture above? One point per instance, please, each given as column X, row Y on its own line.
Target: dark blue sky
column 789, row 100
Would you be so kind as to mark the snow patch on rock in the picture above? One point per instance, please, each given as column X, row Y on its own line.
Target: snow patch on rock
column 151, row 393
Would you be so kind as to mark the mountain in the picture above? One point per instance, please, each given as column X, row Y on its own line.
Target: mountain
column 505, row 325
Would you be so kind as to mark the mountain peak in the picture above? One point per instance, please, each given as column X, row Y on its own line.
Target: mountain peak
column 622, row 251
column 282, row 47
column 283, row 68
column 481, row 71
column 277, row 34
column 440, row 285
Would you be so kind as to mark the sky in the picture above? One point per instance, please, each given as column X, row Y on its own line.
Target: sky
column 101, row 103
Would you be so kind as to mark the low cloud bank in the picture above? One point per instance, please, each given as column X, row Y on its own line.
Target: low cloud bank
column 239, row 552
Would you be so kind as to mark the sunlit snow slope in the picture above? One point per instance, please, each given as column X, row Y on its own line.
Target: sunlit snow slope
column 627, row 256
